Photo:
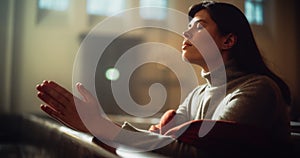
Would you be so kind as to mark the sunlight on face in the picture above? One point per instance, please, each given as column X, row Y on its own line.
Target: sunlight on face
column 201, row 40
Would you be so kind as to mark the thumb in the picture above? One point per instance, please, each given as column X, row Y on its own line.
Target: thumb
column 87, row 96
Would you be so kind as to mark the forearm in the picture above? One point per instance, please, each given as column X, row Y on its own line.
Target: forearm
column 147, row 141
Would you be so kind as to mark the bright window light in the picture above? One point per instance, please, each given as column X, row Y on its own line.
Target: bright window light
column 254, row 11
column 112, row 74
column 104, row 7
column 57, row 5
column 159, row 14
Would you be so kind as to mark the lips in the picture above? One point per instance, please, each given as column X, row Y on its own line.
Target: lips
column 186, row 44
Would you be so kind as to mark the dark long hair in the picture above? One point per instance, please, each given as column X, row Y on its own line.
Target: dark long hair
column 230, row 19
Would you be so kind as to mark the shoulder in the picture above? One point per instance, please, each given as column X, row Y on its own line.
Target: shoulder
column 255, row 101
column 255, row 91
column 259, row 84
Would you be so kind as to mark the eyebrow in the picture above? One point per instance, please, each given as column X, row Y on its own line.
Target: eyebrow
column 198, row 21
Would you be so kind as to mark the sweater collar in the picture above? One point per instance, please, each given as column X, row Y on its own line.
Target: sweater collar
column 222, row 74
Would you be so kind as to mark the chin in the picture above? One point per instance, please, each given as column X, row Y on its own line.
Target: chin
column 184, row 58
column 188, row 60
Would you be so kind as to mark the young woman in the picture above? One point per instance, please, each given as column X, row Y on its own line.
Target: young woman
column 255, row 96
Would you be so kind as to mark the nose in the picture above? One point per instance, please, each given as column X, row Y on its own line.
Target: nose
column 187, row 35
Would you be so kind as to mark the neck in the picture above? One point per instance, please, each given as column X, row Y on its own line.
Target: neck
column 215, row 63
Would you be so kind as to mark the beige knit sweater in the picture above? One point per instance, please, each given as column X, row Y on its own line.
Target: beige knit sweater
column 240, row 97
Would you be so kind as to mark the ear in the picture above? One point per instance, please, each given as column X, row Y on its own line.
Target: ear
column 229, row 41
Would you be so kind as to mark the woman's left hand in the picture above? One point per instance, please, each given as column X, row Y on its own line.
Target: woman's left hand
column 60, row 103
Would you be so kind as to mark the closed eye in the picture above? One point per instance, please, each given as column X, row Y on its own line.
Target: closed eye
column 199, row 26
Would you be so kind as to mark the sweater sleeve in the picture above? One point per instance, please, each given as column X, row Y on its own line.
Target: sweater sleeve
column 188, row 109
column 134, row 140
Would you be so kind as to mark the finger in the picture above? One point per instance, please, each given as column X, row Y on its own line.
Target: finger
column 87, row 96
column 67, row 94
column 64, row 92
column 54, row 93
column 54, row 114
column 50, row 101
column 39, row 86
column 50, row 111
column 154, row 128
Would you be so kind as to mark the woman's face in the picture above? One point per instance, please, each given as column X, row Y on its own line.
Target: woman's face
column 202, row 40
